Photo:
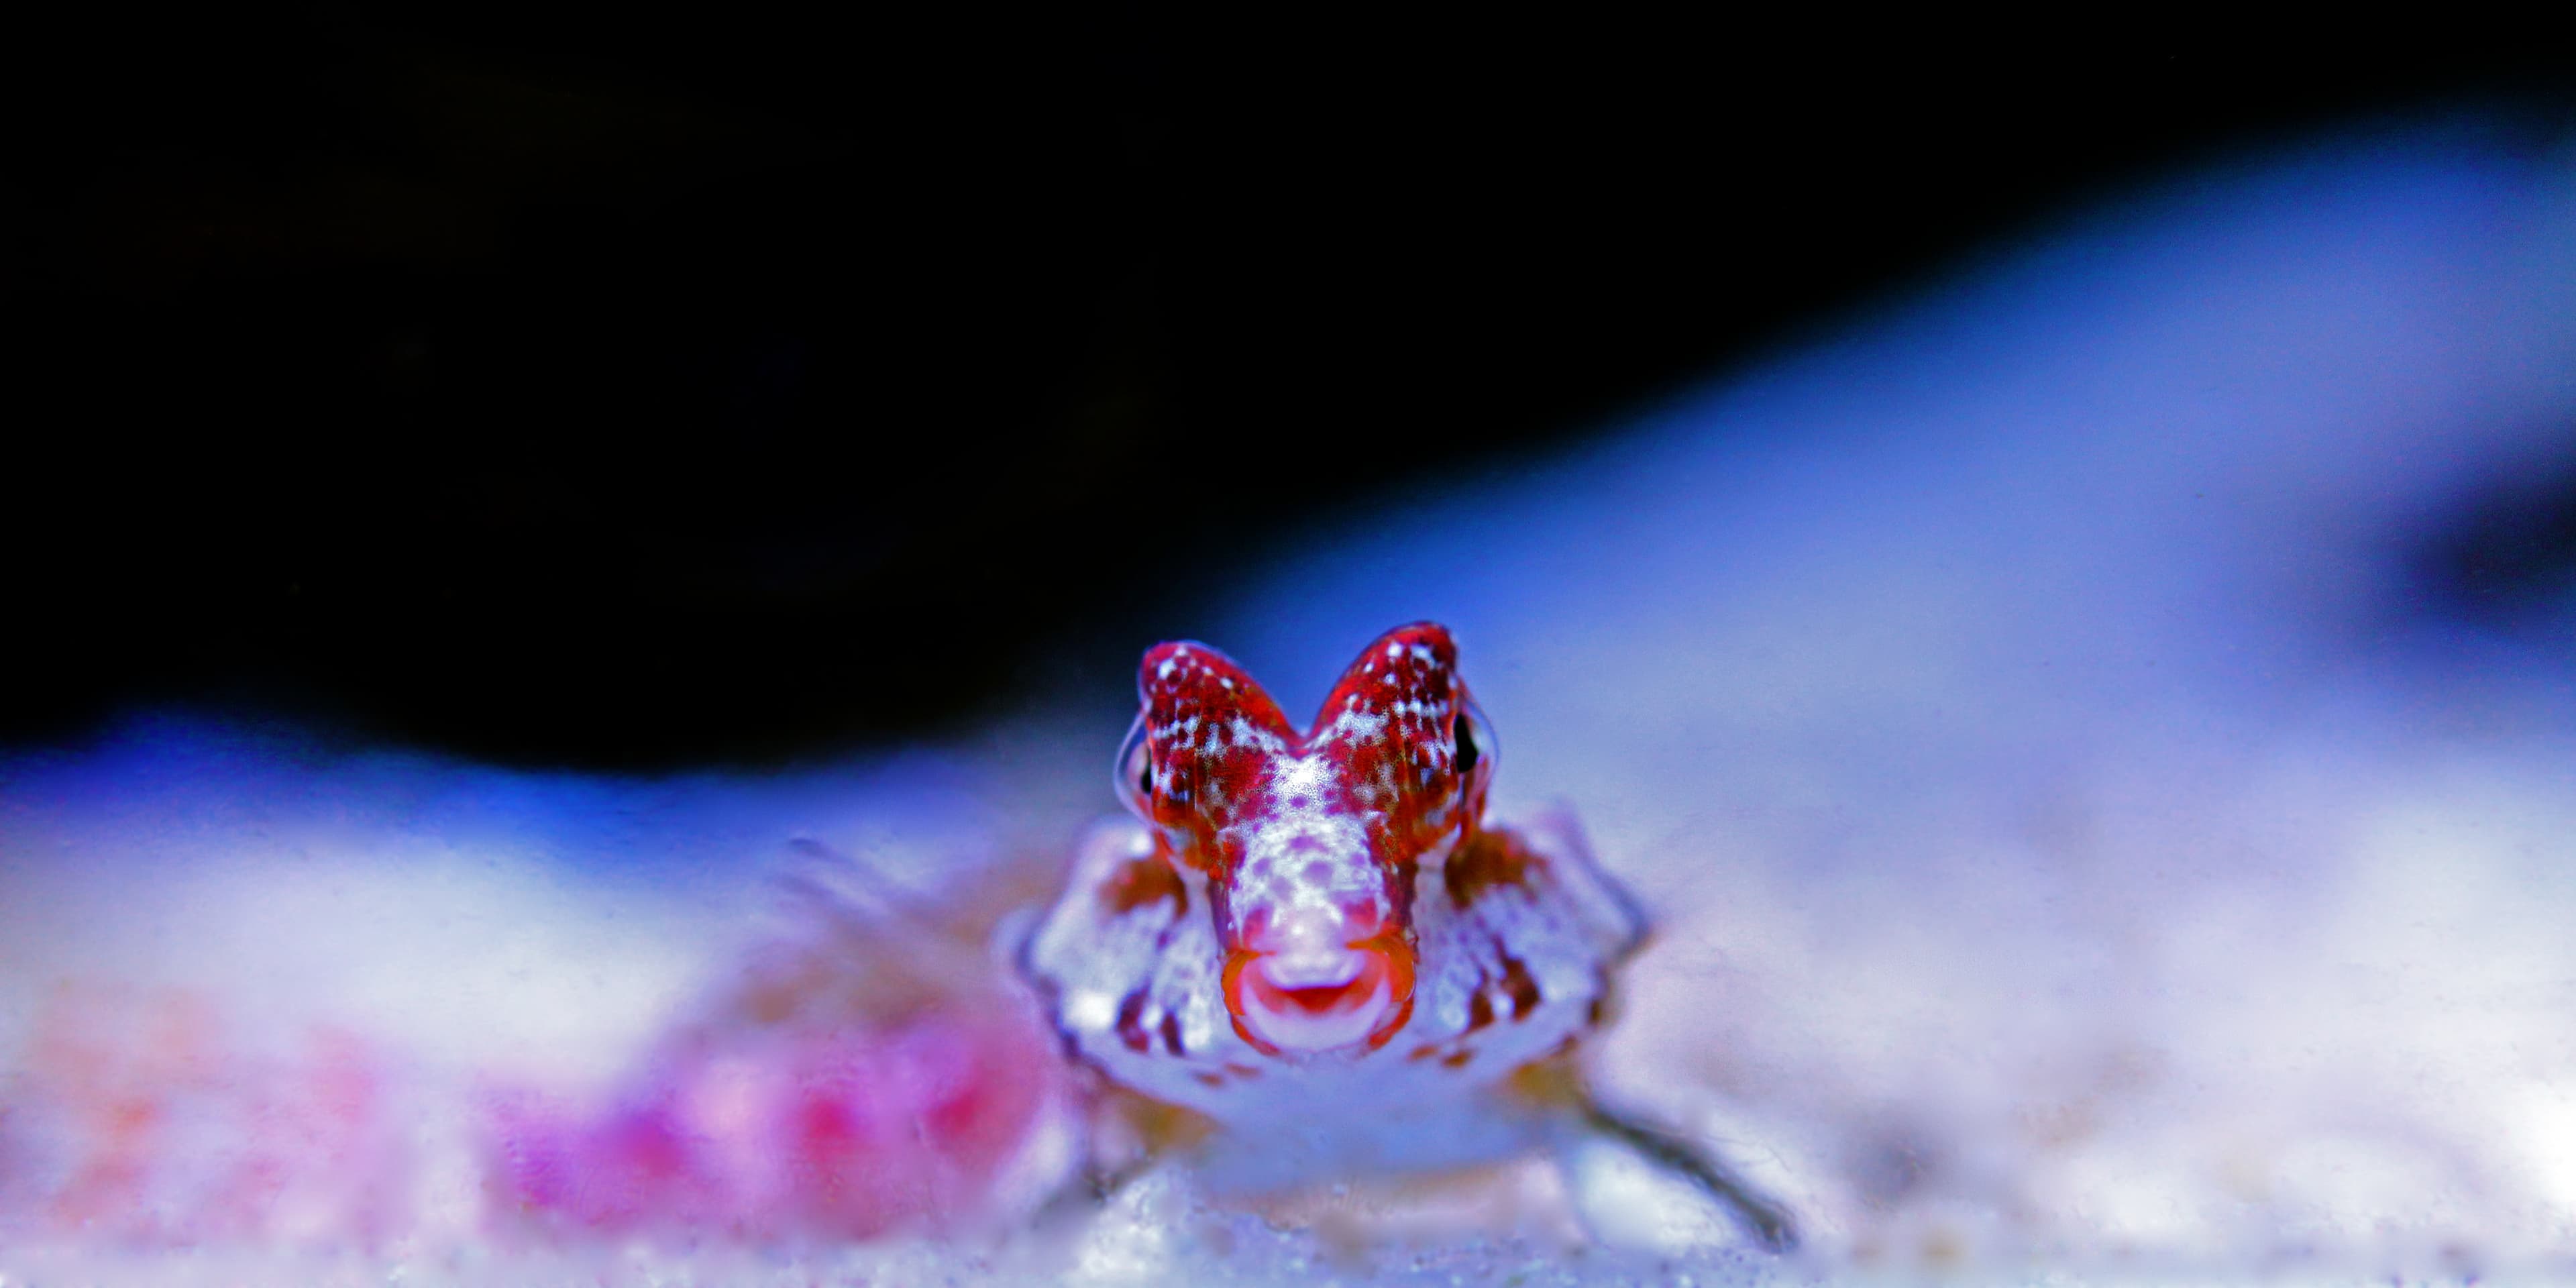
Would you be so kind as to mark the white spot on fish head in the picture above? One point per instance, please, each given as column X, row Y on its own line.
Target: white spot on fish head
column 1357, row 726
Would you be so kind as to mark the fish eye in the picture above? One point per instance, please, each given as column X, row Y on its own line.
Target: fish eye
column 1471, row 741
column 1132, row 777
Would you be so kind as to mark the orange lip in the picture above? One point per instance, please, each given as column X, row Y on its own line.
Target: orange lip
column 1367, row 1007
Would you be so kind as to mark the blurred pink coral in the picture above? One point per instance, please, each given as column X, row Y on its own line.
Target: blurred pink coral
column 135, row 1120
column 863, row 1075
column 840, row 1085
column 821, row 1133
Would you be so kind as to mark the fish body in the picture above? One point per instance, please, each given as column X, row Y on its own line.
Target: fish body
column 1316, row 938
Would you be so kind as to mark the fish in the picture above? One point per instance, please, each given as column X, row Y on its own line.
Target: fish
column 1309, row 951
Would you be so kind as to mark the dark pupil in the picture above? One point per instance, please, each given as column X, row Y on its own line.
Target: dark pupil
column 1466, row 745
column 1145, row 777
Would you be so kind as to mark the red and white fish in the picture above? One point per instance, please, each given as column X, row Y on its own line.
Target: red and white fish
column 1317, row 942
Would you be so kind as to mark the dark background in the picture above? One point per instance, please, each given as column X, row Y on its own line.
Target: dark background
column 580, row 385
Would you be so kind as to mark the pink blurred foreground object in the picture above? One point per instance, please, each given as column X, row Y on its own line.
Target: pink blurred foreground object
column 159, row 1130
column 816, row 1133
column 868, row 1080
column 867, row 1076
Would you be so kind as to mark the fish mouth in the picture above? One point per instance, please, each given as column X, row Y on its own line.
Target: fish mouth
column 1315, row 1000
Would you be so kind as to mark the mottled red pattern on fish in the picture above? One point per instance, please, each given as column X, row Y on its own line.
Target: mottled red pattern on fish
column 1268, row 907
